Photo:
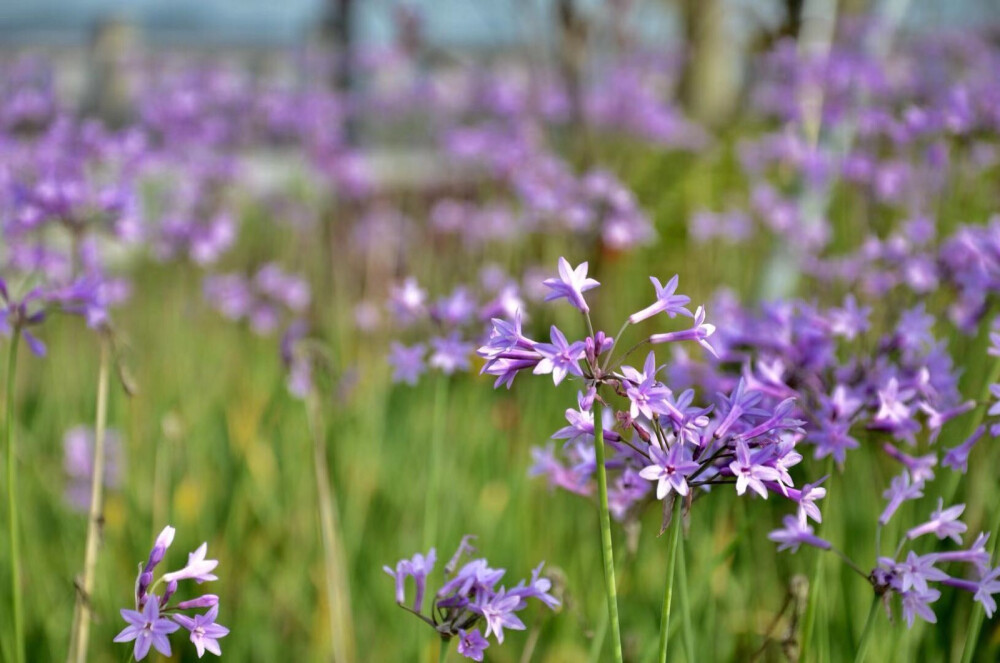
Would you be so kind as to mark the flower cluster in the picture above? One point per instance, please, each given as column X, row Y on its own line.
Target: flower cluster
column 456, row 320
column 468, row 596
column 911, row 577
column 658, row 436
column 265, row 301
column 154, row 618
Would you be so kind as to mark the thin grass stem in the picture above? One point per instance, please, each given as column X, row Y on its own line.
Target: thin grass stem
column 338, row 592
column 12, row 509
column 95, row 521
column 607, row 550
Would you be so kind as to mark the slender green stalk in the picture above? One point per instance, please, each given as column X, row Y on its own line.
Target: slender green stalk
column 432, row 494
column 815, row 580
column 15, row 537
column 81, row 635
column 443, row 651
column 607, row 550
column 867, row 632
column 338, row 591
column 668, row 591
column 685, row 598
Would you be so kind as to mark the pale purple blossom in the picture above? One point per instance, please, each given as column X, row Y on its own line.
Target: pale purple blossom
column 205, row 633
column 571, row 285
column 147, row 629
column 794, row 534
column 666, row 302
column 669, row 469
column 944, row 524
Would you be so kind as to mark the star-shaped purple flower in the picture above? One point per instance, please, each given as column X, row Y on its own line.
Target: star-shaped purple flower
column 471, row 644
column 666, row 302
column 571, row 285
column 147, row 628
column 670, row 469
column 560, row 357
column 205, row 633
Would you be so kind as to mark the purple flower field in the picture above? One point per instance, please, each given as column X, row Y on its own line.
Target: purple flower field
column 684, row 362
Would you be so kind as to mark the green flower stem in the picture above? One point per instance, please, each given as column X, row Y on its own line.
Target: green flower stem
column 81, row 636
column 668, row 591
column 443, row 651
column 607, row 550
column 15, row 537
column 432, row 493
column 867, row 632
column 338, row 591
column 809, row 619
column 685, row 598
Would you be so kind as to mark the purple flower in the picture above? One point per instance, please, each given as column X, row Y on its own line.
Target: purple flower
column 795, row 533
column 408, row 300
column 205, row 633
column 78, row 461
column 699, row 332
column 987, row 586
column 455, row 309
column 741, row 402
column 559, row 358
column 920, row 468
column 833, row 438
column 475, row 577
column 418, row 567
column 407, row 362
column 669, row 470
column 893, row 412
column 944, row 524
column 918, row 603
column 159, row 551
column 937, row 419
column 850, row 320
column 203, row 601
column 450, row 353
column 976, row 554
column 957, row 457
column 198, row 568
column 471, row 644
column 498, row 611
column 642, row 389
column 807, row 502
column 666, row 302
column 539, row 588
column 917, row 571
column 748, row 473
column 148, row 629
column 571, row 285
column 900, row 490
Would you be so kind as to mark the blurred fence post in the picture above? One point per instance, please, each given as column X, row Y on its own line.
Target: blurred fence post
column 107, row 91
column 338, row 38
column 711, row 81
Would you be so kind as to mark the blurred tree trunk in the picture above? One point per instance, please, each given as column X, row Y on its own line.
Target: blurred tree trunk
column 572, row 60
column 107, row 95
column 710, row 85
column 338, row 37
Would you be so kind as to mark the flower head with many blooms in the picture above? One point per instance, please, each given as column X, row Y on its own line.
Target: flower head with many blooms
column 154, row 617
column 468, row 596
